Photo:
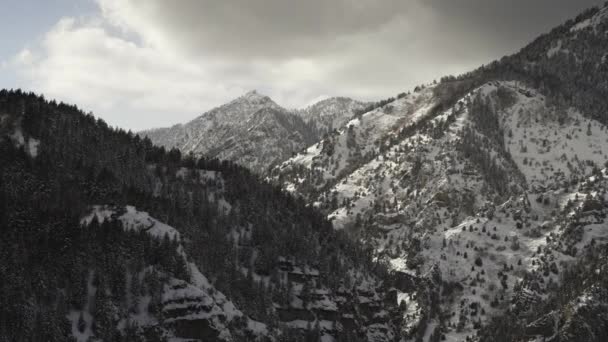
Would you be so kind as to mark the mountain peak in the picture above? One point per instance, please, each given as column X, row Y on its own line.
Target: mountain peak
column 255, row 96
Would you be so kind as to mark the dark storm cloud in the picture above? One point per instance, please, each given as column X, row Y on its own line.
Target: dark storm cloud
column 283, row 29
column 165, row 61
column 501, row 24
column 266, row 28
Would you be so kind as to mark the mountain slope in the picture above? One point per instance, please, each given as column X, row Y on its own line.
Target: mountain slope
column 329, row 114
column 137, row 243
column 360, row 140
column 254, row 131
column 251, row 130
column 482, row 196
column 489, row 191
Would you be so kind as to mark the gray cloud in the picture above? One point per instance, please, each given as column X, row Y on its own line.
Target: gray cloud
column 510, row 24
column 260, row 28
column 150, row 63
column 283, row 29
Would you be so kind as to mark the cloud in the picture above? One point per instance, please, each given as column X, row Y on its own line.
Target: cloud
column 150, row 63
column 129, row 85
column 24, row 57
column 258, row 29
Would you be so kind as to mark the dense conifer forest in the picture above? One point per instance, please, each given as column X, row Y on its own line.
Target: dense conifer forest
column 57, row 162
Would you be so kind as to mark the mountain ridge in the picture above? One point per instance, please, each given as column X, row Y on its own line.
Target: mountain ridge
column 217, row 131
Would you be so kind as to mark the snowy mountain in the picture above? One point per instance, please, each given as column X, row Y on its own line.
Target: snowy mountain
column 332, row 113
column 489, row 188
column 253, row 130
column 360, row 139
column 473, row 209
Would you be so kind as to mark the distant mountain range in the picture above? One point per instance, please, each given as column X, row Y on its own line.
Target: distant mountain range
column 254, row 131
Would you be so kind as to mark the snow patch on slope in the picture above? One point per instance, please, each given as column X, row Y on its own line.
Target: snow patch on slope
column 592, row 22
column 132, row 219
column 31, row 145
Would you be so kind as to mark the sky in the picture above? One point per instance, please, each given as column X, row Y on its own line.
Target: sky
column 141, row 64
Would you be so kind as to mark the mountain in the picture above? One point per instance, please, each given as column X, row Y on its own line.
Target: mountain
column 327, row 161
column 108, row 237
column 253, row 130
column 487, row 190
column 331, row 113
column 473, row 209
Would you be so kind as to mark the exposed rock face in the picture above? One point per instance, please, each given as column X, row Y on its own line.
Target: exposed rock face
column 188, row 309
column 544, row 326
column 190, row 312
column 362, row 311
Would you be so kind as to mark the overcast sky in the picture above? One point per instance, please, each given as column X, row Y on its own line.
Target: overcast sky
column 150, row 63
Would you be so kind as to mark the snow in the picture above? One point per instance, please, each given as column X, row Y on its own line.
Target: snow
column 18, row 138
column 592, row 22
column 31, row 144
column 412, row 314
column 533, row 125
column 199, row 292
column 561, row 145
column 133, row 219
column 597, row 232
column 224, row 206
column 74, row 315
column 259, row 329
column 555, row 49
column 197, row 278
column 366, row 131
column 307, row 157
column 324, row 304
column 331, row 113
column 251, row 130
column 327, row 338
column 430, row 328
column 32, row 147
column 137, row 220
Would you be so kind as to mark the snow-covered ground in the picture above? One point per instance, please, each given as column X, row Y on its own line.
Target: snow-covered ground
column 423, row 204
column 330, row 158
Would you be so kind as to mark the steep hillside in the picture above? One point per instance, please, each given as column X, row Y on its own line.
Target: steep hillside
column 360, row 140
column 330, row 114
column 487, row 196
column 487, row 190
column 136, row 243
